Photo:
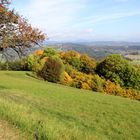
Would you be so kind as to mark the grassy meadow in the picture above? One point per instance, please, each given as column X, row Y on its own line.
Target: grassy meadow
column 47, row 111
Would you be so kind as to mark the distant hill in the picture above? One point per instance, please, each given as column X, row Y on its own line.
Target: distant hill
column 97, row 43
column 98, row 50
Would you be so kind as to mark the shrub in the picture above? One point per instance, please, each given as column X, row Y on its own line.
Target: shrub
column 3, row 66
column 116, row 69
column 133, row 80
column 52, row 70
column 80, row 78
column 132, row 94
column 112, row 88
column 82, row 63
column 69, row 69
column 97, row 83
column 13, row 65
column 48, row 52
column 32, row 61
column 38, row 52
column 72, row 58
column 88, row 64
column 76, row 63
column 67, row 79
column 115, row 89
column 69, row 55
column 85, row 81
column 84, row 85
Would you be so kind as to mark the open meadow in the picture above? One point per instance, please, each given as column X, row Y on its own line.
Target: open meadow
column 42, row 110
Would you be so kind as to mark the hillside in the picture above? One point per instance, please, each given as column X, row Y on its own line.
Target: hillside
column 98, row 50
column 50, row 111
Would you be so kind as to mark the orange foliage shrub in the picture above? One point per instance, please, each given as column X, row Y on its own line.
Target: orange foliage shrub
column 38, row 52
column 85, row 86
column 112, row 88
column 69, row 57
column 132, row 94
column 67, row 79
column 69, row 54
column 81, row 80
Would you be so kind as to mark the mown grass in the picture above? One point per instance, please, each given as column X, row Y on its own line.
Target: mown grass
column 47, row 111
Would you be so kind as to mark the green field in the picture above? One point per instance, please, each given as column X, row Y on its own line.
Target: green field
column 46, row 111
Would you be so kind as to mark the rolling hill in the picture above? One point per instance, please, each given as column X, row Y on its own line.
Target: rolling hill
column 47, row 111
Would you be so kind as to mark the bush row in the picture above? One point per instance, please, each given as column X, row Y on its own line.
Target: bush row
column 114, row 75
column 15, row 66
column 96, row 83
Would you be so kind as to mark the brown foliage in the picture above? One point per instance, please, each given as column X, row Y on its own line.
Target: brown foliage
column 52, row 70
column 16, row 32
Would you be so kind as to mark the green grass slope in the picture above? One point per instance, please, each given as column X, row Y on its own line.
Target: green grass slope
column 47, row 111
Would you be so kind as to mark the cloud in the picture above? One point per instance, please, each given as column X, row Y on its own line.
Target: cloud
column 70, row 19
column 111, row 17
column 53, row 15
column 58, row 18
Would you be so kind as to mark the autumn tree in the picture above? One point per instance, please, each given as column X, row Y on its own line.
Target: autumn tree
column 88, row 64
column 53, row 70
column 15, row 32
column 117, row 69
column 72, row 58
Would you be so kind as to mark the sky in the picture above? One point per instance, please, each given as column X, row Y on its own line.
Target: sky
column 83, row 20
